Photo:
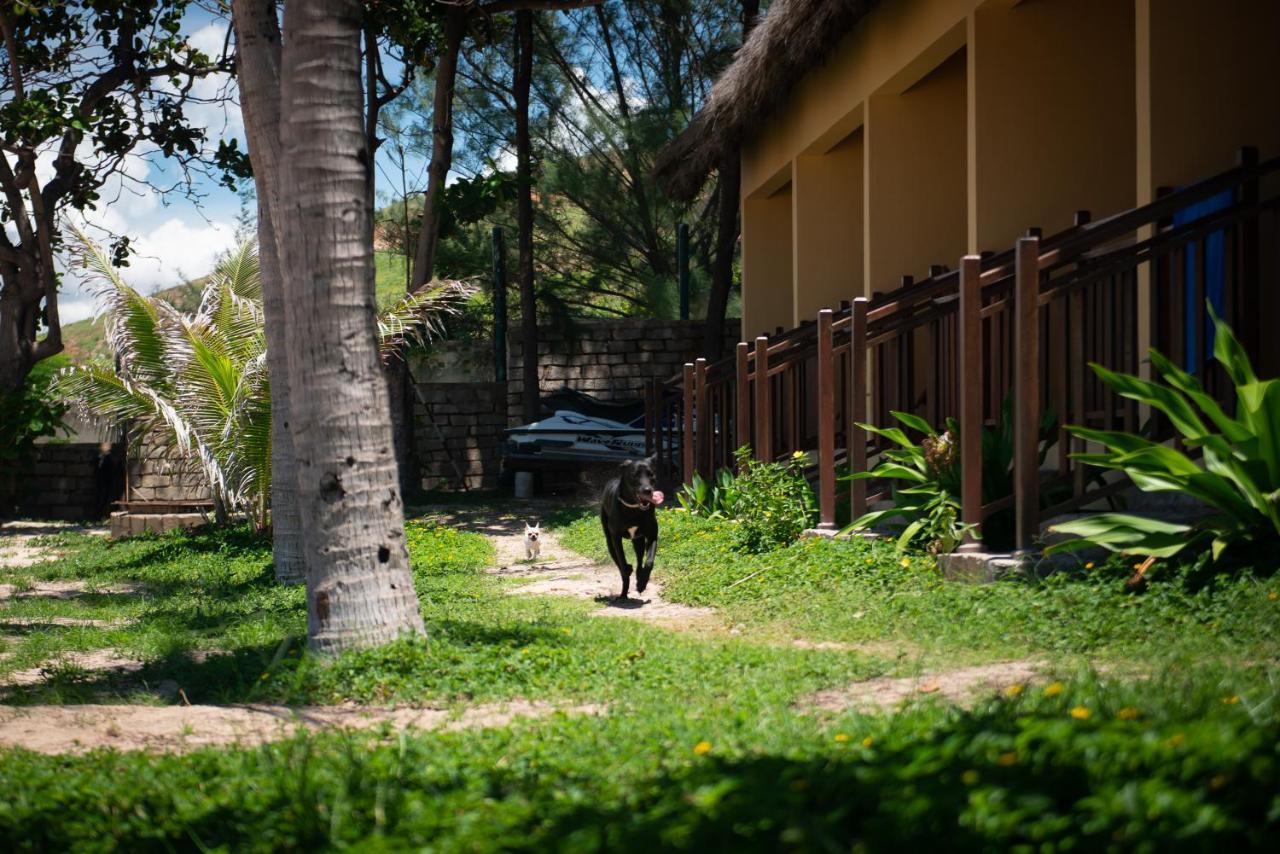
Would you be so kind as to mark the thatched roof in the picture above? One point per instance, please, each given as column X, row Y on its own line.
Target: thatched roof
column 792, row 37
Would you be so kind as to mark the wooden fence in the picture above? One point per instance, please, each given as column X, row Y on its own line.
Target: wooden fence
column 1016, row 328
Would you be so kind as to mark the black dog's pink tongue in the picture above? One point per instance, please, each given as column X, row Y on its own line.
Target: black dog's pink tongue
column 657, row 497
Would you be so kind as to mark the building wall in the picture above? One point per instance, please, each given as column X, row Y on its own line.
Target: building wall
column 915, row 177
column 1066, row 105
column 1053, row 128
column 827, row 227
column 766, row 262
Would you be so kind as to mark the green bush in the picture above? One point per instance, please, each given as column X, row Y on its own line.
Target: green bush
column 773, row 503
column 926, row 512
column 1238, row 476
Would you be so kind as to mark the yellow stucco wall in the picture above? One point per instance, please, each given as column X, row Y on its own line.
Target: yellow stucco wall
column 766, row 261
column 1063, row 104
column 915, row 177
column 1052, row 126
column 827, row 226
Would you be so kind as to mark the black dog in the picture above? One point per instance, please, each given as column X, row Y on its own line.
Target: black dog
column 626, row 512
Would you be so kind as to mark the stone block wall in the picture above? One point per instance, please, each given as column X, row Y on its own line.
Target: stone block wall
column 609, row 359
column 458, row 428
column 73, row 482
column 157, row 475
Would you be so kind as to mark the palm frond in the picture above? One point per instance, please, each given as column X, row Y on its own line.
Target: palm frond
column 418, row 317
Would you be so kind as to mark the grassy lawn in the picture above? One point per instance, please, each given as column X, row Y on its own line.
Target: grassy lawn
column 704, row 740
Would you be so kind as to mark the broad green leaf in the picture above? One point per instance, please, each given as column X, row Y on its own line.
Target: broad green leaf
column 1164, row 399
column 914, row 422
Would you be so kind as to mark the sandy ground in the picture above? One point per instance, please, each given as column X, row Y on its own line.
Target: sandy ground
column 958, row 686
column 77, row 729
column 17, row 548
column 560, row 572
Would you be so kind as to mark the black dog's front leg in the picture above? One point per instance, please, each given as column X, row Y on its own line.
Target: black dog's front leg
column 619, row 554
column 646, row 550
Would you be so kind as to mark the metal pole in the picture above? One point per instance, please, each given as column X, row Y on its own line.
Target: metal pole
column 682, row 265
column 499, row 307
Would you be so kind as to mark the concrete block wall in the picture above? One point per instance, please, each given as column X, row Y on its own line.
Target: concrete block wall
column 609, row 359
column 460, row 425
column 70, row 482
column 159, row 475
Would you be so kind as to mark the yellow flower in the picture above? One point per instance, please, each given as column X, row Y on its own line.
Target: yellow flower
column 1080, row 713
column 868, row 741
column 1089, row 565
column 1233, row 700
column 263, row 677
column 906, row 561
column 842, row 737
column 1053, row 689
column 1273, row 595
column 969, row 777
column 798, row 455
column 1014, row 690
column 1129, row 713
column 702, row 748
column 1008, row 758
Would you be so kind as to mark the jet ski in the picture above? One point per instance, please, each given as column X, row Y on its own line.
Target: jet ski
column 572, row 436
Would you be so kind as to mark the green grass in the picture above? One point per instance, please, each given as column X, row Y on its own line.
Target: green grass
column 855, row 591
column 700, row 743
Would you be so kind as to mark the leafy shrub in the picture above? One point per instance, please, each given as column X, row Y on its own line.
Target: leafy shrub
column 1240, row 475
column 926, row 513
column 772, row 504
column 711, row 499
column 31, row 413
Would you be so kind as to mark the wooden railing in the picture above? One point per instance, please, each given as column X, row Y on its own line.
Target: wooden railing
column 1020, row 326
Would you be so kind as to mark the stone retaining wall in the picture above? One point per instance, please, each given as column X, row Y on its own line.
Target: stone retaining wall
column 459, row 429
column 158, row 475
column 609, row 359
column 73, row 482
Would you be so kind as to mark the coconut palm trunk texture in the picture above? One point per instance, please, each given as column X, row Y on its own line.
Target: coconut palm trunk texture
column 359, row 587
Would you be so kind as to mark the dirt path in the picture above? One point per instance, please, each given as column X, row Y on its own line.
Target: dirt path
column 17, row 547
column 958, row 686
column 560, row 572
column 176, row 729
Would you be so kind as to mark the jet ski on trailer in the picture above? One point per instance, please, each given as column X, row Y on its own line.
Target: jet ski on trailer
column 573, row 437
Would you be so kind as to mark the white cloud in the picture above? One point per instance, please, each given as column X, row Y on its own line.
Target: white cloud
column 175, row 251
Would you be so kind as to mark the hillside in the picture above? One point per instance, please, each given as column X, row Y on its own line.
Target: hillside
column 84, row 339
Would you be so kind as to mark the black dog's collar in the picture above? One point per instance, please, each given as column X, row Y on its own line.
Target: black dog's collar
column 626, row 503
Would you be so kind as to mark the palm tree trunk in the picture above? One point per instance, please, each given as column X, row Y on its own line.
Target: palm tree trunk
column 524, row 215
column 286, row 523
column 258, row 61
column 359, row 588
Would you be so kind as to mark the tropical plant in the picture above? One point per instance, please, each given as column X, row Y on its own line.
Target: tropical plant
column 711, row 499
column 926, row 512
column 1238, row 476
column 772, row 503
column 195, row 385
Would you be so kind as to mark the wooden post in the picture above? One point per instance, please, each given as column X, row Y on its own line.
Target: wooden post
column 1026, row 398
column 650, row 418
column 742, row 399
column 969, row 335
column 826, row 424
column 764, row 432
column 1247, row 319
column 704, row 428
column 687, row 441
column 857, row 404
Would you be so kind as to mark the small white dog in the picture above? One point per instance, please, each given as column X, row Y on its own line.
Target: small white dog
column 532, row 540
